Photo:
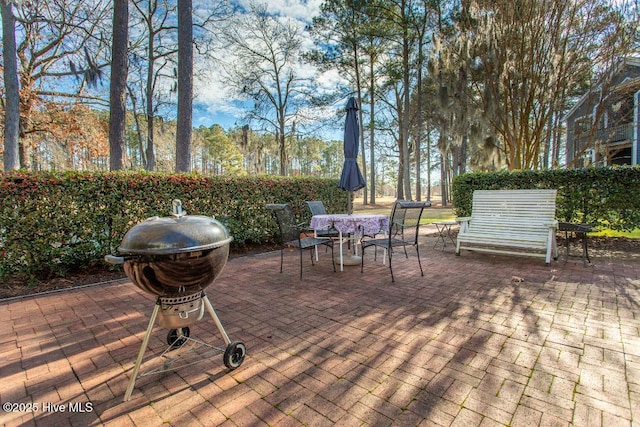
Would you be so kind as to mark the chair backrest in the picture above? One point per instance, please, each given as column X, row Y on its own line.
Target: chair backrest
column 514, row 211
column 405, row 220
column 286, row 220
column 316, row 207
column 397, row 220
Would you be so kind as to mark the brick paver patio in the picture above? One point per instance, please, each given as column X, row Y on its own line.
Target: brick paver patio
column 468, row 344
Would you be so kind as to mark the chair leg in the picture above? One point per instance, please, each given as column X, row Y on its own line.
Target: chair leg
column 333, row 259
column 419, row 263
column 391, row 269
column 404, row 246
column 584, row 248
column 281, row 258
column 301, row 263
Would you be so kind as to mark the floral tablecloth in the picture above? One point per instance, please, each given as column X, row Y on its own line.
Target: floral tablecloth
column 369, row 224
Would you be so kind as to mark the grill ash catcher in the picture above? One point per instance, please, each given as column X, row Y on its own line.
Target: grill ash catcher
column 175, row 258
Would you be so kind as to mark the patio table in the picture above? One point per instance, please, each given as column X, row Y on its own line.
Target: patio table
column 444, row 232
column 580, row 231
column 354, row 224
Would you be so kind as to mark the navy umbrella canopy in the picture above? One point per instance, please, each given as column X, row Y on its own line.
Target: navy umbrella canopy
column 351, row 179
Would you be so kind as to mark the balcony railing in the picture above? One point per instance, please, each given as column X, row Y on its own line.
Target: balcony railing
column 609, row 135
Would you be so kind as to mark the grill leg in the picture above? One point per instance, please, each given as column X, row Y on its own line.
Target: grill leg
column 214, row 316
column 143, row 347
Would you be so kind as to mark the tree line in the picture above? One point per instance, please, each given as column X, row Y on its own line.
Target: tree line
column 442, row 85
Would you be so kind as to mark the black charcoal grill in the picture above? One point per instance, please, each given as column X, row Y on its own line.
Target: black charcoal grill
column 175, row 258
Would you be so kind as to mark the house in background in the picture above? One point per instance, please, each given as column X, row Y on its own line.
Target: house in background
column 603, row 128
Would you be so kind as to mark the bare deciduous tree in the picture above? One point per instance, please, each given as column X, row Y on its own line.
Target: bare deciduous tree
column 153, row 61
column 57, row 41
column 262, row 55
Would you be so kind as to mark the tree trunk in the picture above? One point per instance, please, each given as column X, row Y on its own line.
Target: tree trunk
column 150, row 150
column 185, row 85
column 356, row 63
column 428, row 163
column 136, row 120
column 407, row 108
column 461, row 161
column 12, row 88
column 283, row 150
column 400, row 187
column 372, row 127
column 418, row 166
column 363, row 159
column 418, row 124
column 118, row 86
column 444, row 186
column 557, row 138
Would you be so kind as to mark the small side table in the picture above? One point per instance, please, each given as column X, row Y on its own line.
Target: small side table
column 580, row 231
column 444, row 232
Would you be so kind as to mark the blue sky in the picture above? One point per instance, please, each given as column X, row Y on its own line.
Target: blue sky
column 212, row 103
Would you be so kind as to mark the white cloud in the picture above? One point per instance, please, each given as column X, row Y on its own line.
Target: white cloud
column 212, row 103
column 299, row 9
column 329, row 80
column 211, row 91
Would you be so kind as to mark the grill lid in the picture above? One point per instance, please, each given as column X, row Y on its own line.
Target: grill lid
column 174, row 234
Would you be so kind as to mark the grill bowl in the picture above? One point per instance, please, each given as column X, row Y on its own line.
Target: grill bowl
column 174, row 256
column 177, row 274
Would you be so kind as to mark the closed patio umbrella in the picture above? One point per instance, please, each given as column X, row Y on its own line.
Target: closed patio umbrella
column 351, row 179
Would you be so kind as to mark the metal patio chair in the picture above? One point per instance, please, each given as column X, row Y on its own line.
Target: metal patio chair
column 404, row 228
column 291, row 232
column 317, row 208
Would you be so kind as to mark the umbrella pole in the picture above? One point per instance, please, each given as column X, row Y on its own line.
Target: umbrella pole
column 350, row 258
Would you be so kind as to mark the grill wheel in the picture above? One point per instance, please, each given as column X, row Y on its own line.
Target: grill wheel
column 234, row 354
column 177, row 337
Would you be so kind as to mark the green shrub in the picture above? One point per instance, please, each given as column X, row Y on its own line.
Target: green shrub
column 608, row 197
column 52, row 223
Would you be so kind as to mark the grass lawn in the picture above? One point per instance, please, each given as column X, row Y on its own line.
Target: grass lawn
column 384, row 204
column 635, row 234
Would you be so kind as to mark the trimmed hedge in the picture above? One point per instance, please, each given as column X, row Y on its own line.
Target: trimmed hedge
column 52, row 223
column 608, row 197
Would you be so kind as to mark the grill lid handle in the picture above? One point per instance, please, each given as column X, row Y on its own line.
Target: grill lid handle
column 177, row 209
